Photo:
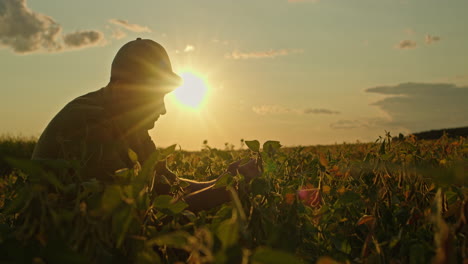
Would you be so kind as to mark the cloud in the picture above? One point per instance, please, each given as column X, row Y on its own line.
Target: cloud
column 237, row 55
column 278, row 109
column 349, row 124
column 320, row 111
column 271, row 109
column 25, row 31
column 409, row 31
column 189, row 48
column 423, row 106
column 216, row 40
column 303, row 1
column 128, row 26
column 411, row 89
column 461, row 78
column 406, row 44
column 82, row 39
column 431, row 39
column 118, row 33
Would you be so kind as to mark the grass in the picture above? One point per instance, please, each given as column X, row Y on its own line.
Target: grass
column 383, row 202
column 18, row 147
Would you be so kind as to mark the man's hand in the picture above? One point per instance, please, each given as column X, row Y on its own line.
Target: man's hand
column 161, row 169
column 251, row 169
column 232, row 168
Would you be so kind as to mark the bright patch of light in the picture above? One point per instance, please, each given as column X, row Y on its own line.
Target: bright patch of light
column 193, row 92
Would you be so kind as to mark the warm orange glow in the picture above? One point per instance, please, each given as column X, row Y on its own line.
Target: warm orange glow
column 192, row 94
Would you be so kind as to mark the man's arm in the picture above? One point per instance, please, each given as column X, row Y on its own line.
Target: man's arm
column 202, row 195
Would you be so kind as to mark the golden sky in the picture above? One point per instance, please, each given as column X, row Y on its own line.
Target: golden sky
column 301, row 72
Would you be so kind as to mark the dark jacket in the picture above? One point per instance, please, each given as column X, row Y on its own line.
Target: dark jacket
column 85, row 130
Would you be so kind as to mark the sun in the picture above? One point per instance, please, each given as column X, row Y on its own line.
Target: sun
column 192, row 93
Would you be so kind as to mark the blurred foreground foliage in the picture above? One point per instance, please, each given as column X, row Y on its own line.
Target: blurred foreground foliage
column 18, row 147
column 400, row 201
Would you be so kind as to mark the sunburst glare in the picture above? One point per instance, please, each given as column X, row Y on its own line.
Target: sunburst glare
column 193, row 92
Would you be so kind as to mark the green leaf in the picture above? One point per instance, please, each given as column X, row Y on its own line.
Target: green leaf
column 177, row 207
column 168, row 205
column 21, row 200
column 266, row 255
column 228, row 232
column 223, row 181
column 69, row 188
column 133, row 156
column 417, row 254
column 224, row 213
column 123, row 173
column 168, row 151
column 451, row 197
column 237, row 203
column 50, row 178
column 183, row 184
column 224, row 155
column 111, row 198
column 177, row 239
column 148, row 256
column 34, row 169
column 253, row 145
column 58, row 251
column 191, row 216
column 271, row 146
column 233, row 254
column 387, row 156
column 342, row 245
column 30, row 167
column 260, row 186
column 162, row 201
column 349, row 197
column 382, row 148
column 92, row 186
column 147, row 171
column 121, row 221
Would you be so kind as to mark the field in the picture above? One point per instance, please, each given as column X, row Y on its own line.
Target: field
column 391, row 201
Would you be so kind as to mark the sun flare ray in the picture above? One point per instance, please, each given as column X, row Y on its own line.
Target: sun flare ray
column 193, row 92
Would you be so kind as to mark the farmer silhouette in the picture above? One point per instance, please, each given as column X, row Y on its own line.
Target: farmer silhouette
column 100, row 127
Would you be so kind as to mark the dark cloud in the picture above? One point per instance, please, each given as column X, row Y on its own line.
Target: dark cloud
column 423, row 106
column 415, row 89
column 406, row 44
column 25, row 31
column 81, row 39
column 320, row 111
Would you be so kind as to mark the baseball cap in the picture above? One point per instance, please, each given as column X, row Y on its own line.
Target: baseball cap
column 144, row 61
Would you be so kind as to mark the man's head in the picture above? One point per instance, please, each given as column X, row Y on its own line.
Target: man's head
column 144, row 61
column 141, row 74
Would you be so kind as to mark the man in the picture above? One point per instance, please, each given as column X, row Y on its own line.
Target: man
column 98, row 128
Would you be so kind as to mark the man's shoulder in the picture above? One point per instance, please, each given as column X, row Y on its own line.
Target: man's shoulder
column 87, row 114
column 86, row 107
column 82, row 119
column 80, row 116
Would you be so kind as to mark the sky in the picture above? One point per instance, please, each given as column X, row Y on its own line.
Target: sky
column 303, row 72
